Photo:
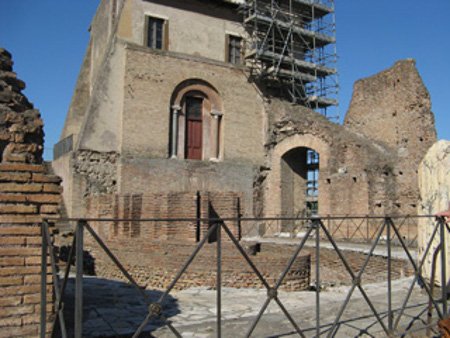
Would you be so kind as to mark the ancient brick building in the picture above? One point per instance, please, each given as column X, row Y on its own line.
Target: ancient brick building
column 168, row 116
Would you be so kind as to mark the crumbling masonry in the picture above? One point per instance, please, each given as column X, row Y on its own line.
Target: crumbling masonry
column 153, row 122
column 28, row 194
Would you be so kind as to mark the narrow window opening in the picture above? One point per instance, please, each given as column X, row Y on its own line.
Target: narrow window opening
column 155, row 33
column 234, row 50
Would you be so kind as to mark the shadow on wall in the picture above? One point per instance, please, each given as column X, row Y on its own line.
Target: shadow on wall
column 113, row 309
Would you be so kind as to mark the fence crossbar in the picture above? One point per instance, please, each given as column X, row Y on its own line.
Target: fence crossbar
column 272, row 292
column 358, row 277
column 352, row 274
column 416, row 270
column 278, row 284
column 416, row 276
column 188, row 262
column 338, row 226
column 358, row 229
column 64, row 284
column 116, row 261
column 246, row 257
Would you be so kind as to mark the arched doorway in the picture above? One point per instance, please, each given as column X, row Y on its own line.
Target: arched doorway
column 299, row 173
column 283, row 170
column 196, row 122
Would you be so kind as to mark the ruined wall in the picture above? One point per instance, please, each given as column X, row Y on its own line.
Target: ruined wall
column 27, row 195
column 367, row 167
column 393, row 108
column 434, row 185
column 99, row 170
column 176, row 205
column 352, row 168
column 21, row 127
column 236, row 272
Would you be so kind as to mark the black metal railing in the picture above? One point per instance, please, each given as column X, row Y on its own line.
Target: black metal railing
column 392, row 320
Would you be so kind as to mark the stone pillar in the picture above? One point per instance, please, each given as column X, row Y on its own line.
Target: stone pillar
column 175, row 111
column 434, row 186
column 215, row 141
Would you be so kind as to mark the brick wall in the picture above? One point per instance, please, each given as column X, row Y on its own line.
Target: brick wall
column 180, row 205
column 27, row 194
column 154, row 264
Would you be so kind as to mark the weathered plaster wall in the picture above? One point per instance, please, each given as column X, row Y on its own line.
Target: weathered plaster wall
column 434, row 185
column 80, row 99
column 101, row 127
column 101, row 29
column 208, row 25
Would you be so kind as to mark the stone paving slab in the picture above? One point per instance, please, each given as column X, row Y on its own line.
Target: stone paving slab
column 358, row 320
column 114, row 309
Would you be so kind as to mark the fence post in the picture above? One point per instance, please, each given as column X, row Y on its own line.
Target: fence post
column 219, row 281
column 79, row 279
column 389, row 223
column 443, row 266
column 198, row 215
column 317, row 223
column 44, row 249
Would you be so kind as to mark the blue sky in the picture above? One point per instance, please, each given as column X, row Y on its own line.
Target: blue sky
column 48, row 39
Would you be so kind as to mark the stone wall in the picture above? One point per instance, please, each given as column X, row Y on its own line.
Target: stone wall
column 434, row 185
column 99, row 170
column 28, row 194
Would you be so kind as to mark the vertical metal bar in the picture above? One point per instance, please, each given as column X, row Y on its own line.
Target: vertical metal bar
column 79, row 280
column 219, row 282
column 389, row 273
column 316, row 224
column 443, row 267
column 43, row 326
column 198, row 216
column 367, row 230
column 239, row 216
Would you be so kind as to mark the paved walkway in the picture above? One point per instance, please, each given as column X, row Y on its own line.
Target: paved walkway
column 380, row 249
column 115, row 309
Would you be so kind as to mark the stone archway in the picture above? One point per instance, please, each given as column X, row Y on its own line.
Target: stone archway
column 282, row 163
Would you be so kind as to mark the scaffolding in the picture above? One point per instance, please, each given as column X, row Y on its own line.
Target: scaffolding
column 291, row 50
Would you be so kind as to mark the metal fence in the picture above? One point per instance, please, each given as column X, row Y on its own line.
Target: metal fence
column 355, row 229
column 315, row 233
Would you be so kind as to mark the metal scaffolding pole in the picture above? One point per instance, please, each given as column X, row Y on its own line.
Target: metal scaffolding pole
column 291, row 50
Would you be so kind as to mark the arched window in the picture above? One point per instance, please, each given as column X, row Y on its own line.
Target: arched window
column 196, row 122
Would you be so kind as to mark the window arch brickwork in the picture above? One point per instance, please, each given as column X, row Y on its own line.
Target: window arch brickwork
column 196, row 121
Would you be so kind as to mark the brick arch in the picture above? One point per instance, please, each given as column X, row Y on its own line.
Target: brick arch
column 272, row 193
column 197, row 85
